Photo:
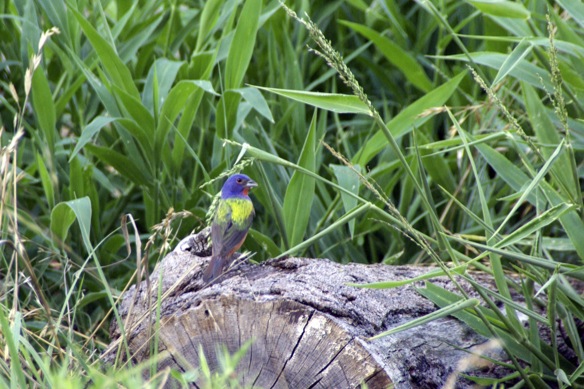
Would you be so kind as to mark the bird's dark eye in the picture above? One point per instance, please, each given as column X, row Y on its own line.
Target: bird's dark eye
column 239, row 180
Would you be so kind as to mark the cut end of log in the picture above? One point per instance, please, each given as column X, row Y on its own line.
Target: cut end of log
column 303, row 326
column 291, row 345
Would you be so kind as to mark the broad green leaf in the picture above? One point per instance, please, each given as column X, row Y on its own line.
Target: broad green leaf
column 570, row 75
column 200, row 69
column 410, row 117
column 205, row 86
column 65, row 213
column 208, row 20
column 30, row 34
column 124, row 165
column 76, row 180
column 118, row 72
column 575, row 9
column 519, row 53
column 174, row 104
column 44, row 107
column 133, row 109
column 226, row 116
column 89, row 131
column 501, row 8
column 257, row 101
column 143, row 139
column 166, row 72
column 242, row 45
column 399, row 57
column 455, row 144
column 105, row 96
column 555, row 244
column 125, row 13
column 128, row 50
column 333, row 102
column 300, row 190
column 349, row 180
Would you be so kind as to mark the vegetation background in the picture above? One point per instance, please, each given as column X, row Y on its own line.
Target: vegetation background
column 455, row 138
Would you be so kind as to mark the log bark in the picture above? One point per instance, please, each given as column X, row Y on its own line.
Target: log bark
column 307, row 327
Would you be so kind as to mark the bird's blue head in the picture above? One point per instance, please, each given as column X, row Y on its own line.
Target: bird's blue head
column 237, row 185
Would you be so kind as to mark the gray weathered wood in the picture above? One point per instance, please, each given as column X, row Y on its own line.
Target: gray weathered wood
column 309, row 328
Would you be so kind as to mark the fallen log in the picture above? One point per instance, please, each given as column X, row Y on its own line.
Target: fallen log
column 307, row 327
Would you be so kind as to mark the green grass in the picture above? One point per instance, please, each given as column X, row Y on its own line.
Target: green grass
column 444, row 132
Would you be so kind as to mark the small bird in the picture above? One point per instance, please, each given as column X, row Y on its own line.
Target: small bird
column 231, row 223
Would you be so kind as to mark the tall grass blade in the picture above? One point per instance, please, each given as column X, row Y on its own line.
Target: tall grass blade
column 349, row 180
column 44, row 107
column 241, row 49
column 115, row 68
column 300, row 190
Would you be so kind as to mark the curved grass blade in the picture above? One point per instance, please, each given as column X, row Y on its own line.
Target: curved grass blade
column 65, row 213
column 397, row 283
column 505, row 9
column 334, row 102
column 349, row 180
column 442, row 312
column 89, row 131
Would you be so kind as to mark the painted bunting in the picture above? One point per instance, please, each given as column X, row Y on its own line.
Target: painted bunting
column 230, row 224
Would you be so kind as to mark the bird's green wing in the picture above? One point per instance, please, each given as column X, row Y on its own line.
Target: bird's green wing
column 230, row 225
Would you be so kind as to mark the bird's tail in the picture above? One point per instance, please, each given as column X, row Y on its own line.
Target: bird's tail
column 214, row 268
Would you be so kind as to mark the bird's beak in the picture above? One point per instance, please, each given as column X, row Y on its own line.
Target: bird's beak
column 251, row 184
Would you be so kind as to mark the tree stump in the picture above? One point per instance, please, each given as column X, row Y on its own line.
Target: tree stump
column 307, row 328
